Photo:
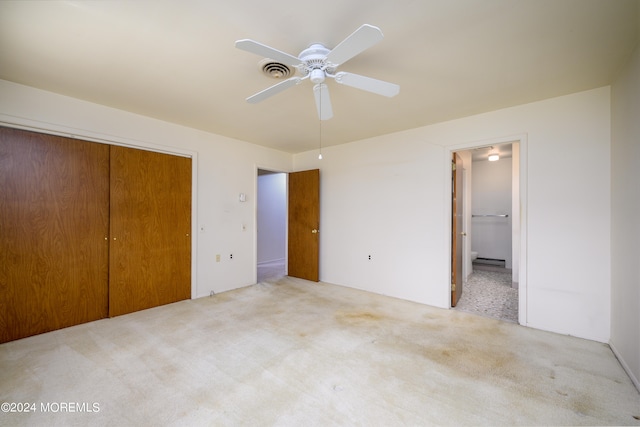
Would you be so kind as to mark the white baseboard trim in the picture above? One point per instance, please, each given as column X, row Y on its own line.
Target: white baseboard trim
column 626, row 368
column 271, row 262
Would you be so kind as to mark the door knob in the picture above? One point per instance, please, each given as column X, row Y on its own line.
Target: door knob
column 462, row 233
column 315, row 231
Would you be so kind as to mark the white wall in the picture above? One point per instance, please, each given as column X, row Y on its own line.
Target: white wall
column 272, row 217
column 223, row 169
column 491, row 193
column 625, row 226
column 377, row 198
column 389, row 196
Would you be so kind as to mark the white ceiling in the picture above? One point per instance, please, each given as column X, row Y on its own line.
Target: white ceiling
column 176, row 60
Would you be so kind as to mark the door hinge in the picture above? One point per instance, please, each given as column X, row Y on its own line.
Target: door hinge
column 453, row 287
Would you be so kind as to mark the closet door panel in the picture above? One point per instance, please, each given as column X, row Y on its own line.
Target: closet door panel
column 150, row 242
column 54, row 219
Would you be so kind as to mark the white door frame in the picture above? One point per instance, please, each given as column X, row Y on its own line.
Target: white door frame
column 521, row 139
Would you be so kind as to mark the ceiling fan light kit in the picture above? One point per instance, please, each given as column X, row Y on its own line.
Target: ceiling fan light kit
column 316, row 63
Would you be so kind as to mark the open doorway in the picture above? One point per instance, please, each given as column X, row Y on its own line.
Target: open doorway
column 271, row 225
column 491, row 230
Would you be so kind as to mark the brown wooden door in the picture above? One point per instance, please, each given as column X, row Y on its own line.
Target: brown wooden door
column 150, row 252
column 456, row 230
column 54, row 221
column 304, row 224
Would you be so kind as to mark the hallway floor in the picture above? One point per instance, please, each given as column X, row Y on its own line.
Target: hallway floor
column 270, row 271
column 489, row 293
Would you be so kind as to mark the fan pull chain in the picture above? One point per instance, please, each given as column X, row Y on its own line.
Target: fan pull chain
column 320, row 117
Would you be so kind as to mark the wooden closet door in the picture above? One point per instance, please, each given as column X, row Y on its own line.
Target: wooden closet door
column 304, row 225
column 54, row 221
column 150, row 251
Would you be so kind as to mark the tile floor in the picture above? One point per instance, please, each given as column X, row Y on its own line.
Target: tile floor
column 489, row 292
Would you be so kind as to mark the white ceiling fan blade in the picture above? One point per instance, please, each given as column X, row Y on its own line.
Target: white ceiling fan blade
column 367, row 83
column 362, row 39
column 275, row 89
column 323, row 101
column 267, row 52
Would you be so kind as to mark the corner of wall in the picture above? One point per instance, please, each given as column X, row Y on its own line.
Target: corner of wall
column 625, row 366
column 625, row 202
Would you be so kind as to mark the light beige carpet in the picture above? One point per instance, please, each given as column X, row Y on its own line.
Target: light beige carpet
column 296, row 353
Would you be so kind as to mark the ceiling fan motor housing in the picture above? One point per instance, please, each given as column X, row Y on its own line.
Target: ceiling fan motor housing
column 314, row 62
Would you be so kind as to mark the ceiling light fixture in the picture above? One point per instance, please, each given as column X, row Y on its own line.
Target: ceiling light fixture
column 494, row 157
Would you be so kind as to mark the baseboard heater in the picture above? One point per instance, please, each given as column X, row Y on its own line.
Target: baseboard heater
column 490, row 261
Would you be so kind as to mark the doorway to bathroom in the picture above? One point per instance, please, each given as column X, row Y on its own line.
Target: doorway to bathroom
column 491, row 230
column 271, row 218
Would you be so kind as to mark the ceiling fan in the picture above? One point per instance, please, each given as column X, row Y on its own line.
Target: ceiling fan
column 317, row 62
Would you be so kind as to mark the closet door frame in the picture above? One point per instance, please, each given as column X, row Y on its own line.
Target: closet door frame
column 89, row 136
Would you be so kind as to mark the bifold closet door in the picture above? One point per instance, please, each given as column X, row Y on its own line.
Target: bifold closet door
column 150, row 242
column 54, row 222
